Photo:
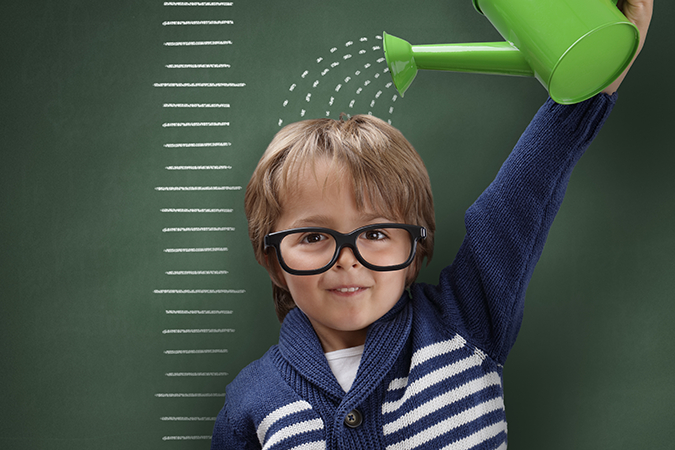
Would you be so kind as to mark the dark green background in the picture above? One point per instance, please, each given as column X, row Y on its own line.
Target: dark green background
column 81, row 241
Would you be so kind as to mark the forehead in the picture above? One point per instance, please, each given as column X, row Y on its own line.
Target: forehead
column 326, row 191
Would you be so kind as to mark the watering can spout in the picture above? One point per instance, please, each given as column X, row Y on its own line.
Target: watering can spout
column 404, row 59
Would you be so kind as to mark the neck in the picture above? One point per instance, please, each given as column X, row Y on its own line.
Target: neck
column 338, row 340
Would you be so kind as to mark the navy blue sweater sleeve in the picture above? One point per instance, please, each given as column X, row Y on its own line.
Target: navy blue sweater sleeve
column 482, row 293
column 226, row 435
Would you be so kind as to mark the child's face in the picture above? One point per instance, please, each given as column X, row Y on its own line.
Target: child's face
column 342, row 302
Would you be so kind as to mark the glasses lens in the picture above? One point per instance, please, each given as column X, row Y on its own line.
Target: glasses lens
column 385, row 247
column 307, row 250
column 312, row 250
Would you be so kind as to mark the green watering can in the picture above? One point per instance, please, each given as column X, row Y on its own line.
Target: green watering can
column 575, row 48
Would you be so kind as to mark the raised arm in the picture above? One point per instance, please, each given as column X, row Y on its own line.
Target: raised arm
column 482, row 293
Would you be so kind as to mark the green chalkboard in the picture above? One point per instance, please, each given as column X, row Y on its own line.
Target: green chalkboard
column 129, row 295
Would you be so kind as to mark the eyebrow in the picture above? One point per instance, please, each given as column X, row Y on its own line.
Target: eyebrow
column 322, row 221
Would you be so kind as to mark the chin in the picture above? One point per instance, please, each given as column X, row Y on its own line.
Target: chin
column 354, row 323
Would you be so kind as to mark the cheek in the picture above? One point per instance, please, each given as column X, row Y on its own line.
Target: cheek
column 275, row 271
column 393, row 284
column 410, row 273
column 300, row 287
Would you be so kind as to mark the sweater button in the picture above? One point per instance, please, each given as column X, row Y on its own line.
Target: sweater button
column 353, row 418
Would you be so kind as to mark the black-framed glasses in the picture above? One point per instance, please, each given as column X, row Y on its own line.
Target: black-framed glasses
column 311, row 251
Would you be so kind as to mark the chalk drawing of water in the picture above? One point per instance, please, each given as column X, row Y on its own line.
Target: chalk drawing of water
column 350, row 78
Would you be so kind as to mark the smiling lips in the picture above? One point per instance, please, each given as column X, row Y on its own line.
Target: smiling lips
column 347, row 290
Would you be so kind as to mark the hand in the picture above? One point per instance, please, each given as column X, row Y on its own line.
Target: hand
column 640, row 13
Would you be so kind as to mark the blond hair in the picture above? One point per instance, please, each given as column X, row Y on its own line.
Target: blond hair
column 387, row 174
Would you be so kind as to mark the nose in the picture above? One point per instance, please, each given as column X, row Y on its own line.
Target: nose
column 346, row 259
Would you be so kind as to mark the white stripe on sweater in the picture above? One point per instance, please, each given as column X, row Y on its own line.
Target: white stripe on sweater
column 398, row 383
column 432, row 378
column 433, row 405
column 440, row 348
column 425, row 354
column 453, row 422
column 478, row 437
column 292, row 431
column 279, row 414
column 316, row 445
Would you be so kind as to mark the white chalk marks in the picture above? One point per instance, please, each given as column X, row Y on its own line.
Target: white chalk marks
column 198, row 167
column 196, row 124
column 197, row 210
column 199, row 85
column 213, row 351
column 197, row 22
column 193, row 43
column 196, row 105
column 197, row 144
column 349, row 79
column 196, row 374
column 198, row 66
column 202, row 330
column 198, row 188
column 199, row 291
column 187, row 438
column 188, row 419
column 194, row 183
column 190, row 395
column 183, row 229
column 198, row 3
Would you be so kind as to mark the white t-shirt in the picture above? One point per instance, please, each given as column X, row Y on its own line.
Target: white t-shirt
column 344, row 364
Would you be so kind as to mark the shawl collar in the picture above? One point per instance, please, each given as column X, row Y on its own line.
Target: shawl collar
column 300, row 347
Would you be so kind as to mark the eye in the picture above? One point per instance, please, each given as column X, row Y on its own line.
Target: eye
column 375, row 235
column 312, row 238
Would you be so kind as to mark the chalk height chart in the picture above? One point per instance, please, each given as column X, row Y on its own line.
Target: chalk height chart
column 197, row 204
column 203, row 93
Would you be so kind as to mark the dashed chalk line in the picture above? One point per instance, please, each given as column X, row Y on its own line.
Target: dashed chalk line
column 186, row 419
column 197, row 352
column 190, row 395
column 194, row 250
column 195, row 124
column 196, row 374
column 197, row 144
column 198, row 331
column 198, row 167
column 196, row 272
column 197, row 22
column 199, row 291
column 196, row 105
column 197, row 66
column 208, row 85
column 186, row 438
column 195, row 210
column 195, row 43
column 198, row 3
column 196, row 229
column 198, row 188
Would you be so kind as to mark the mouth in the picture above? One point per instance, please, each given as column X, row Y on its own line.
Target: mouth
column 348, row 290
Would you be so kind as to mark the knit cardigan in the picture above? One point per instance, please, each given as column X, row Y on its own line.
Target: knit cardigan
column 431, row 372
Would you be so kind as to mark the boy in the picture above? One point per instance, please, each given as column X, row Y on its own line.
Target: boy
column 341, row 215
